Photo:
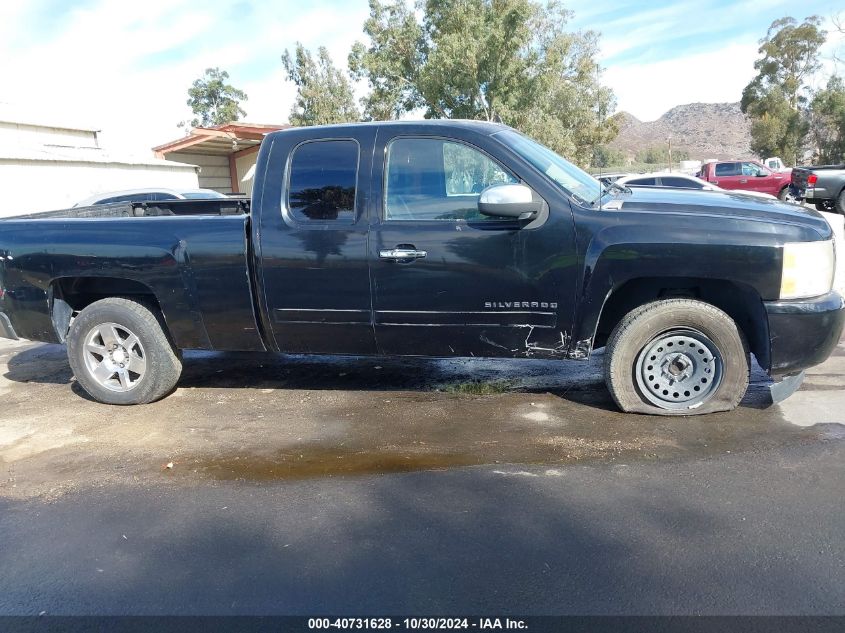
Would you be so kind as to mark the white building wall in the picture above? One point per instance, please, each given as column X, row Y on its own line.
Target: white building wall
column 32, row 186
column 243, row 164
column 20, row 134
column 214, row 169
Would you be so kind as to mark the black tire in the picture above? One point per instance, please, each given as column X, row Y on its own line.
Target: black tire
column 149, row 346
column 651, row 323
column 785, row 195
column 840, row 203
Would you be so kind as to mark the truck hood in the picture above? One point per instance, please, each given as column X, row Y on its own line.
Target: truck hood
column 725, row 204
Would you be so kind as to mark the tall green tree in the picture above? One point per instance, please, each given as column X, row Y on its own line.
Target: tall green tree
column 828, row 121
column 497, row 60
column 777, row 98
column 213, row 100
column 324, row 94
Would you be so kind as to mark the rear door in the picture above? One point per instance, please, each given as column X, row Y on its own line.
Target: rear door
column 728, row 176
column 448, row 281
column 312, row 240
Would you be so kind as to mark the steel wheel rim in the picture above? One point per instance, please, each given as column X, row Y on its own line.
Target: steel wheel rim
column 679, row 369
column 114, row 357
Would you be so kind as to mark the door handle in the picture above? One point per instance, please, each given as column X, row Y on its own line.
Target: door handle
column 401, row 253
column 742, row 181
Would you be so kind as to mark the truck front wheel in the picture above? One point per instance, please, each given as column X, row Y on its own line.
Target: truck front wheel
column 677, row 357
column 120, row 354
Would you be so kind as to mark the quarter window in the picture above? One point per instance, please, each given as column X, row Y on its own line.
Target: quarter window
column 435, row 179
column 642, row 182
column 322, row 181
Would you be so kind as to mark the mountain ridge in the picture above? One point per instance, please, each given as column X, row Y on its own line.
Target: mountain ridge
column 703, row 130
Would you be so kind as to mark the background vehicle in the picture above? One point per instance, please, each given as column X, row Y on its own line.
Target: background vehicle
column 823, row 186
column 776, row 164
column 436, row 238
column 610, row 177
column 748, row 175
column 682, row 181
column 149, row 195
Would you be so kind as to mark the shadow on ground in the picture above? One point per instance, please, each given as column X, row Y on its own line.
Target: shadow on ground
column 580, row 382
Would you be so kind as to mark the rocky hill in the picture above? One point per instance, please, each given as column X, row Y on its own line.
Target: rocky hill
column 705, row 130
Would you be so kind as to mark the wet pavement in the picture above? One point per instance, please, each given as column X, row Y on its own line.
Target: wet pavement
column 323, row 485
column 265, row 417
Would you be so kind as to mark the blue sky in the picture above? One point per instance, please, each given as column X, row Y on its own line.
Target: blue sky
column 125, row 66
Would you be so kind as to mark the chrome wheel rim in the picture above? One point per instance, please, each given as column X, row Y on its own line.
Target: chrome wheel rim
column 679, row 369
column 115, row 357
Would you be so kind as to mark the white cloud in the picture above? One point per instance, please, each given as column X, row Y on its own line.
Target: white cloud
column 106, row 64
column 649, row 90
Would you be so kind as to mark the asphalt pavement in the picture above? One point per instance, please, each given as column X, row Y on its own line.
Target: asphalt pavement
column 301, row 485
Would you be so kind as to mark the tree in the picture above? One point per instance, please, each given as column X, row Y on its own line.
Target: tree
column 827, row 121
column 604, row 156
column 659, row 155
column 776, row 99
column 496, row 60
column 324, row 95
column 213, row 101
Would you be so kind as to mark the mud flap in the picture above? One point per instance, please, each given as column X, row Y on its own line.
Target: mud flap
column 780, row 391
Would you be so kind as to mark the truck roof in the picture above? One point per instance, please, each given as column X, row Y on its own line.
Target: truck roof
column 485, row 127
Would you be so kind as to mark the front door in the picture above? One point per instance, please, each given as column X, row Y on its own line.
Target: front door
column 313, row 241
column 449, row 281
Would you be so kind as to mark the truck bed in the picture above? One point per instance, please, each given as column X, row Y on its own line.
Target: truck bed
column 192, row 258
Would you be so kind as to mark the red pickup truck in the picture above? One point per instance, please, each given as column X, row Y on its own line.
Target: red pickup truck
column 749, row 175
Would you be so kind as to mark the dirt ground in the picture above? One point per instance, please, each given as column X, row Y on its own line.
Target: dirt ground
column 257, row 418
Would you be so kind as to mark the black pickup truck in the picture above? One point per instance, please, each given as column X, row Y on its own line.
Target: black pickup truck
column 821, row 185
column 436, row 239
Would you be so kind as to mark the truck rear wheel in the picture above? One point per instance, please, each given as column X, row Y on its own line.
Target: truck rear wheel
column 120, row 354
column 677, row 357
column 840, row 203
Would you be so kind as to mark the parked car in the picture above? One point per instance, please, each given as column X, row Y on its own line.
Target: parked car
column 683, row 181
column 822, row 185
column 748, row 175
column 433, row 238
column 149, row 195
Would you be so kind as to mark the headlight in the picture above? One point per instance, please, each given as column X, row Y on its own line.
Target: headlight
column 808, row 269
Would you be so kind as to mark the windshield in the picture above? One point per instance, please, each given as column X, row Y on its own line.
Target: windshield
column 574, row 180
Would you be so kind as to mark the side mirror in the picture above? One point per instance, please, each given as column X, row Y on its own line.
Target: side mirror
column 509, row 201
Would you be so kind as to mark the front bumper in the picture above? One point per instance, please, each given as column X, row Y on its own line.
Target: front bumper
column 803, row 333
column 6, row 329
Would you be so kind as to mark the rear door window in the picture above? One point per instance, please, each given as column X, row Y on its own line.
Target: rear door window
column 323, row 176
column 728, row 169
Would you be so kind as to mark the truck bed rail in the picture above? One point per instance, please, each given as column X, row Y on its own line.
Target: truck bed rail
column 210, row 206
